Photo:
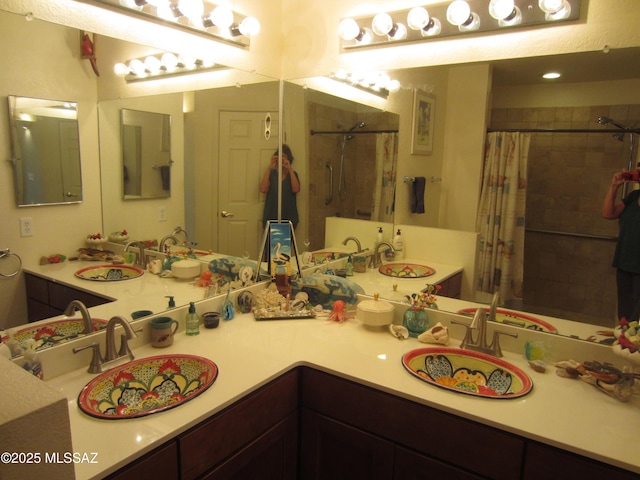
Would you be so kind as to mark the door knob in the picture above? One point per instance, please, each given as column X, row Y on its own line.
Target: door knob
column 225, row 214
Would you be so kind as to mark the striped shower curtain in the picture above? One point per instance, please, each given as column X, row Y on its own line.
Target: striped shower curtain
column 384, row 191
column 501, row 212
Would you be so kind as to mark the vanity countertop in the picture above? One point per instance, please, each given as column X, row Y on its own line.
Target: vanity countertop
column 568, row 414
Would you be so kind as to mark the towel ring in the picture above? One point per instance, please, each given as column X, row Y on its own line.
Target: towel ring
column 6, row 254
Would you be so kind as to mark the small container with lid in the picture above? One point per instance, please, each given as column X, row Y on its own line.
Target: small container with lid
column 375, row 313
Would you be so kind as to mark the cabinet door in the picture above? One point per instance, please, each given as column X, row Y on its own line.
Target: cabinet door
column 542, row 461
column 160, row 463
column 273, row 456
column 331, row 450
column 411, row 466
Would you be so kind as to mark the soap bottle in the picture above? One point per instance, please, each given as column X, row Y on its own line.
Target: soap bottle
column 193, row 321
column 380, row 237
column 172, row 302
column 349, row 266
column 398, row 245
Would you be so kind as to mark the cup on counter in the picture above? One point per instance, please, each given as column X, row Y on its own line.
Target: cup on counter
column 162, row 330
column 141, row 313
column 211, row 319
column 360, row 263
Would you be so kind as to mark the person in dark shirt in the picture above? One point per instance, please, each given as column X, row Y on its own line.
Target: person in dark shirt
column 290, row 187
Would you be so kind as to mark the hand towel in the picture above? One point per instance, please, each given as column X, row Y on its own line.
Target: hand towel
column 417, row 195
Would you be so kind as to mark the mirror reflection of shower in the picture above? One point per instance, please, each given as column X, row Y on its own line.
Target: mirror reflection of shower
column 342, row 183
column 631, row 162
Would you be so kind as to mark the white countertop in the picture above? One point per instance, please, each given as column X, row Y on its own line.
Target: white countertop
column 565, row 413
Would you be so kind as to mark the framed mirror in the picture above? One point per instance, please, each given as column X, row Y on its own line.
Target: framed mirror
column 146, row 154
column 45, row 151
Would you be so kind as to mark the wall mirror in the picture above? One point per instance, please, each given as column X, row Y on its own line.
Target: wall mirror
column 146, row 154
column 45, row 151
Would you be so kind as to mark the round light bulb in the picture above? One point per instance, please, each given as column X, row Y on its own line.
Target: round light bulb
column 165, row 11
column 514, row 19
column 187, row 62
column 472, row 23
column 348, row 29
column 152, row 64
column 458, row 12
column 561, row 14
column 433, row 30
column 501, row 9
column 249, row 27
column 398, row 32
column 130, row 4
column 382, row 24
column 222, row 16
column 367, row 37
column 393, row 86
column 207, row 62
column 417, row 18
column 550, row 6
column 193, row 10
column 137, row 68
column 121, row 70
column 170, row 61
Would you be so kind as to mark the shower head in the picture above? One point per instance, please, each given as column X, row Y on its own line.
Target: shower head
column 357, row 125
column 607, row 121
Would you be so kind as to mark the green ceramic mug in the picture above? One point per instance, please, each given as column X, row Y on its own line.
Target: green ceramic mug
column 162, row 330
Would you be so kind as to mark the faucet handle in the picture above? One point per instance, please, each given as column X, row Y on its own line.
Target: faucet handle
column 96, row 360
column 495, row 344
column 468, row 335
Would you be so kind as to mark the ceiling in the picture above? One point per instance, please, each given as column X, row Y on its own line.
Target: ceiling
column 616, row 64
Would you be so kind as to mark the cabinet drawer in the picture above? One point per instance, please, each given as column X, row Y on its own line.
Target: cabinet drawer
column 160, row 463
column 452, row 286
column 208, row 444
column 409, row 465
column 472, row 446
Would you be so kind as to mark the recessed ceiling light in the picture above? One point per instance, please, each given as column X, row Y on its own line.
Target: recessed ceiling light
column 551, row 75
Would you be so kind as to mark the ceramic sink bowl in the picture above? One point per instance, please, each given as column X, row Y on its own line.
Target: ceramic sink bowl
column 468, row 372
column 406, row 270
column 109, row 273
column 518, row 319
column 327, row 256
column 52, row 333
column 147, row 386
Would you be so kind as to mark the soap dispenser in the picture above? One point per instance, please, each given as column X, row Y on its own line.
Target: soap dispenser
column 398, row 245
column 380, row 236
column 193, row 321
column 172, row 302
column 349, row 266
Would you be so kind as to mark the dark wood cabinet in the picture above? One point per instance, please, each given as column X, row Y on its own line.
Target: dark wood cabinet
column 451, row 287
column 47, row 299
column 159, row 463
column 410, row 465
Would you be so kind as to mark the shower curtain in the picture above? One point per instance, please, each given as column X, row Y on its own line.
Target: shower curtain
column 384, row 192
column 501, row 211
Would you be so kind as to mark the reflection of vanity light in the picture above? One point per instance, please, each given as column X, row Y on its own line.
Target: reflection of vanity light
column 163, row 65
column 25, row 117
column 377, row 83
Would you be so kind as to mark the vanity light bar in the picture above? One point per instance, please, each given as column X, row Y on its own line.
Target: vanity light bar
column 454, row 18
column 163, row 65
column 376, row 83
column 218, row 21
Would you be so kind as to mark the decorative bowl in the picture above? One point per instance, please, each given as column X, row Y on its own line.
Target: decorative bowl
column 406, row 270
column 185, row 269
column 511, row 317
column 147, row 386
column 468, row 372
column 52, row 333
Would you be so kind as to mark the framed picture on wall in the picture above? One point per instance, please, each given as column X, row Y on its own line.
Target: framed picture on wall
column 423, row 120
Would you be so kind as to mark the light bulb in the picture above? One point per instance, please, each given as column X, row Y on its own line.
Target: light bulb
column 514, row 19
column 561, row 14
column 121, row 70
column 501, row 9
column 249, row 27
column 341, row 74
column 393, row 86
column 417, row 18
column 137, row 68
column 432, row 29
column 187, row 61
column 170, row 61
column 550, row 6
column 398, row 32
column 348, row 29
column 130, row 4
column 472, row 23
column 382, row 24
column 152, row 64
column 366, row 37
column 166, row 11
column 222, row 16
column 458, row 12
column 207, row 62
column 192, row 9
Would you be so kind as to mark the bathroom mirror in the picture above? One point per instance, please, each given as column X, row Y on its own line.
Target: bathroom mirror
column 146, row 154
column 45, row 151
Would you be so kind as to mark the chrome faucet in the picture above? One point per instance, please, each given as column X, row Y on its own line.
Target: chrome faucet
column 479, row 324
column 376, row 261
column 142, row 259
column 164, row 240
column 358, row 245
column 78, row 306
column 98, row 362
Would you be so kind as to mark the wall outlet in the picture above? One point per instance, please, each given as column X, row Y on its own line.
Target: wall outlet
column 26, row 227
column 162, row 214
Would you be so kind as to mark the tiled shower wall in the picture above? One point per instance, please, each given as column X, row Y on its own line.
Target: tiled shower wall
column 570, row 276
column 359, row 172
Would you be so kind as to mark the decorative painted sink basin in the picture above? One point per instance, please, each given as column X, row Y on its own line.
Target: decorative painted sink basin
column 109, row 273
column 323, row 257
column 518, row 319
column 146, row 386
column 468, row 372
column 406, row 270
column 52, row 333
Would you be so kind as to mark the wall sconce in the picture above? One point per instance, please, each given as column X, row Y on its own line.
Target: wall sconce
column 218, row 21
column 376, row 83
column 454, row 18
column 163, row 65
